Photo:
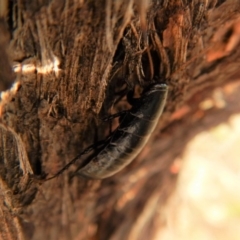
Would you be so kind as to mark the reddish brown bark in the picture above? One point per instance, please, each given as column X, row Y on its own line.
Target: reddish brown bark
column 70, row 61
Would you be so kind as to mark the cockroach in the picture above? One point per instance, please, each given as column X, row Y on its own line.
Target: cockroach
column 132, row 134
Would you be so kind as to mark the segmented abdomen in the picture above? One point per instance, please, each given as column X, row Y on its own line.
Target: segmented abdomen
column 131, row 135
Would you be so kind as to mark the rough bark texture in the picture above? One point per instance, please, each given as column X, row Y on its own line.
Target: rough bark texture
column 71, row 58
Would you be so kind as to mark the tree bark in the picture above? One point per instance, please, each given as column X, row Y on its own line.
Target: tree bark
column 71, row 61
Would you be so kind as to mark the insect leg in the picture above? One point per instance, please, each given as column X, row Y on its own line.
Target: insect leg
column 131, row 100
column 110, row 117
column 85, row 151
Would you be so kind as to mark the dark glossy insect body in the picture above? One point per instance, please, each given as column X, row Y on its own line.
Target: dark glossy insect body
column 131, row 136
column 128, row 139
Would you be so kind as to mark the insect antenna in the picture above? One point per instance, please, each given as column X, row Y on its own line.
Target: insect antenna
column 85, row 151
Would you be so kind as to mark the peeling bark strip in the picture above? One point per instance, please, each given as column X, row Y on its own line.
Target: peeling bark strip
column 71, row 58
